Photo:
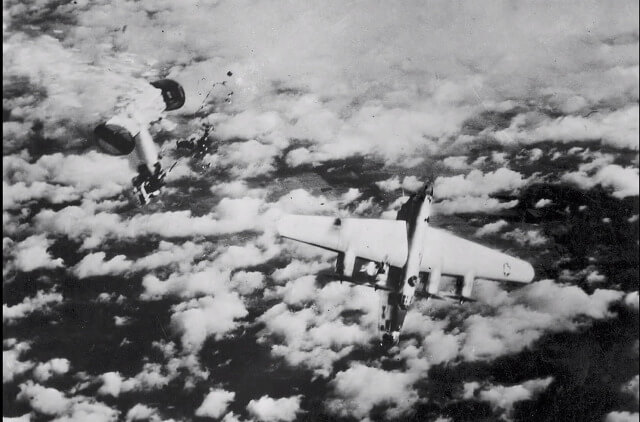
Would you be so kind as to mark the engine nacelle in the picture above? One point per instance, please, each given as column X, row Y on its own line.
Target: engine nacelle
column 434, row 282
column 467, row 285
column 346, row 263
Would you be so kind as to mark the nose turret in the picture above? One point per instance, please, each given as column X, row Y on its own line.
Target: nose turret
column 389, row 340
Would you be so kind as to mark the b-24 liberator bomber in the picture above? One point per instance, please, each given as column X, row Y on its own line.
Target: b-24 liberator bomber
column 396, row 256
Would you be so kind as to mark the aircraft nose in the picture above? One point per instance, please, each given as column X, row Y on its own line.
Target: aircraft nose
column 387, row 341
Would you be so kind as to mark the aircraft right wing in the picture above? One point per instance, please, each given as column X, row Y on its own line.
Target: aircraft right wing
column 373, row 239
column 457, row 257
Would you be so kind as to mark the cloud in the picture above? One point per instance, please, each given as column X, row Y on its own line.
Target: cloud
column 152, row 376
column 56, row 366
column 45, row 400
column 318, row 335
column 215, row 403
column 529, row 237
column 299, row 201
column 246, row 283
column 92, row 175
column 95, row 264
column 359, row 388
column 491, row 228
column 477, row 183
column 141, row 412
column 93, row 226
column 268, row 409
column 40, row 302
column 311, row 83
column 245, row 159
column 623, row 181
column 617, row 129
column 237, row 189
column 12, row 366
column 458, row 162
column 504, row 397
column 523, row 316
column 631, row 300
column 543, row 203
column 297, row 268
column 298, row 291
column 32, row 254
column 169, row 253
column 410, row 183
column 207, row 281
column 24, row 418
column 15, row 195
column 622, row 417
column 199, row 319
column 472, row 204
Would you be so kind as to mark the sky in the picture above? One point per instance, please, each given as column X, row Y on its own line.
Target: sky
column 191, row 308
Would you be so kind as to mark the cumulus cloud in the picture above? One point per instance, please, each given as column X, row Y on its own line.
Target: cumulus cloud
column 60, row 178
column 315, row 83
column 237, row 189
column 472, row 204
column 528, row 237
column 199, row 319
column 632, row 300
column 346, row 97
column 298, row 291
column 141, row 412
column 543, row 203
column 268, row 409
column 245, row 159
column 52, row 402
column 169, row 253
column 16, row 194
column 24, row 418
column 360, row 388
column 95, row 264
column 622, row 417
column 40, row 302
column 477, row 183
column 410, row 183
column 458, row 162
column 317, row 335
column 12, row 366
column 524, row 315
column 623, row 181
column 32, row 253
column 55, row 366
column 504, row 397
column 152, row 376
column 93, row 226
column 491, row 228
column 215, row 403
column 618, row 128
column 45, row 400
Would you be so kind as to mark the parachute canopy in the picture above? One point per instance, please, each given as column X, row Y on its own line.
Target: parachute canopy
column 172, row 93
column 114, row 140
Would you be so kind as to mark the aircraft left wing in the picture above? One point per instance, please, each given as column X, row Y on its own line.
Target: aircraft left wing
column 373, row 239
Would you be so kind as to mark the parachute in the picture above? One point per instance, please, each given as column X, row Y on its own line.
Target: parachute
column 114, row 140
column 172, row 93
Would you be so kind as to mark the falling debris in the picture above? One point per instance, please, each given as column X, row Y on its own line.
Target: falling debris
column 197, row 143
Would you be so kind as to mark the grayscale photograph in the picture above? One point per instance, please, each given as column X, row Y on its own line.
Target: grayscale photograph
column 324, row 211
